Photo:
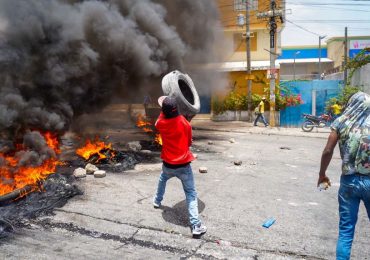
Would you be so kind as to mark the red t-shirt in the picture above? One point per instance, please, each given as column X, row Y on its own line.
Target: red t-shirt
column 176, row 136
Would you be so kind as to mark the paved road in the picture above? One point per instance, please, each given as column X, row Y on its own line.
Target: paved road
column 115, row 219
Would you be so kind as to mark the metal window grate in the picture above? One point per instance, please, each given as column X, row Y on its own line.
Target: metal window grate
column 239, row 5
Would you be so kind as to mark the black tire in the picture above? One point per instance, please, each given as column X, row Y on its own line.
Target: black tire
column 9, row 197
column 181, row 87
column 307, row 126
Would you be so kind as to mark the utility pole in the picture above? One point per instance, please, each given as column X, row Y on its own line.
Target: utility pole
column 271, row 15
column 345, row 54
column 320, row 38
column 248, row 53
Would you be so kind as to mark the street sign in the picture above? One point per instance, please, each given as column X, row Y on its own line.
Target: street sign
column 271, row 72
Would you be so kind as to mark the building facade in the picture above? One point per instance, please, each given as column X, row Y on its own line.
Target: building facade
column 304, row 62
column 235, row 65
column 336, row 48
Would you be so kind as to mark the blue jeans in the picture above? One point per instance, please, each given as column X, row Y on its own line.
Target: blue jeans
column 185, row 174
column 262, row 116
column 353, row 188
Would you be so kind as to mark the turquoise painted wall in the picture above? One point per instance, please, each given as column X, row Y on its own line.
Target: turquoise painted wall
column 325, row 89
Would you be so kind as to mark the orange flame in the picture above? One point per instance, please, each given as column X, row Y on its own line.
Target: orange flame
column 158, row 139
column 14, row 176
column 144, row 124
column 147, row 127
column 90, row 148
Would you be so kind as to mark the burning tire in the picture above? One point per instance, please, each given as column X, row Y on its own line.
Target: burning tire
column 7, row 198
column 181, row 87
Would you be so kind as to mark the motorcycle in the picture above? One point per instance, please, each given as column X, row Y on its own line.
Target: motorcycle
column 312, row 121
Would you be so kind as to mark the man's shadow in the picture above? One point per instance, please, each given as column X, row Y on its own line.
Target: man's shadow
column 178, row 214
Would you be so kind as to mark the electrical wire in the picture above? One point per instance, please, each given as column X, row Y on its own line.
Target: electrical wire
column 301, row 27
column 331, row 21
column 332, row 4
column 336, row 8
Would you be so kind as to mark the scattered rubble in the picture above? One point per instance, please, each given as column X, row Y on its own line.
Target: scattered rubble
column 91, row 168
column 223, row 243
column 100, row 174
column 79, row 173
column 210, row 142
column 238, row 162
column 203, row 169
column 134, row 146
column 148, row 167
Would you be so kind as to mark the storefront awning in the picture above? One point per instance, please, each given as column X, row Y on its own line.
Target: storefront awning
column 308, row 60
column 242, row 65
column 261, row 65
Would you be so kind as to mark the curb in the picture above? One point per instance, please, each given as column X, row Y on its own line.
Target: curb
column 262, row 133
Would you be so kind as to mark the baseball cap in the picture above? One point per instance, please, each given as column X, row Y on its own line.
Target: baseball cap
column 169, row 106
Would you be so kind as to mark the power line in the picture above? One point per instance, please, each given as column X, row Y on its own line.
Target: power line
column 331, row 21
column 331, row 7
column 331, row 4
column 301, row 27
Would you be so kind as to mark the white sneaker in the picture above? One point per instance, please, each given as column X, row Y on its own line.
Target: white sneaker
column 199, row 229
column 156, row 205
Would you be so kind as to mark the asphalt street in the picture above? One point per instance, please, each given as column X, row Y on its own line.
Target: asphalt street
column 115, row 219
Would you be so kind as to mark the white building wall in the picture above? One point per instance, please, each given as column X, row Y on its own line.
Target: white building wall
column 361, row 78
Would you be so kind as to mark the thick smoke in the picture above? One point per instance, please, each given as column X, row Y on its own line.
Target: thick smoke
column 59, row 59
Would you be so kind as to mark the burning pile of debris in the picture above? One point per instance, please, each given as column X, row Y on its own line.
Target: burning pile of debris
column 63, row 58
column 28, row 185
column 98, row 157
column 148, row 127
column 29, row 192
column 24, row 166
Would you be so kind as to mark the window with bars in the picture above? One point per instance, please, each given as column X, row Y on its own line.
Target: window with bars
column 239, row 5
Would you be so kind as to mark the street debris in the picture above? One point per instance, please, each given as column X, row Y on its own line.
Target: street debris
column 232, row 140
column 5, row 228
column 285, row 148
column 79, row 173
column 91, row 168
column 268, row 223
column 223, row 243
column 134, row 146
column 146, row 151
column 210, row 142
column 203, row 169
column 100, row 174
column 238, row 162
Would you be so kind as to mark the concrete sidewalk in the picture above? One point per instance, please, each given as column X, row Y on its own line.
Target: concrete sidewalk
column 204, row 123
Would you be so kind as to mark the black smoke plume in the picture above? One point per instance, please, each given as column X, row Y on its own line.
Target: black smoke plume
column 59, row 59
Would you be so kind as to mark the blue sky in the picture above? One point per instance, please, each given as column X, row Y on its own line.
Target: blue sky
column 324, row 18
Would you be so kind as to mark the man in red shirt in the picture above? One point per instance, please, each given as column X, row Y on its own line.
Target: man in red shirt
column 176, row 135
